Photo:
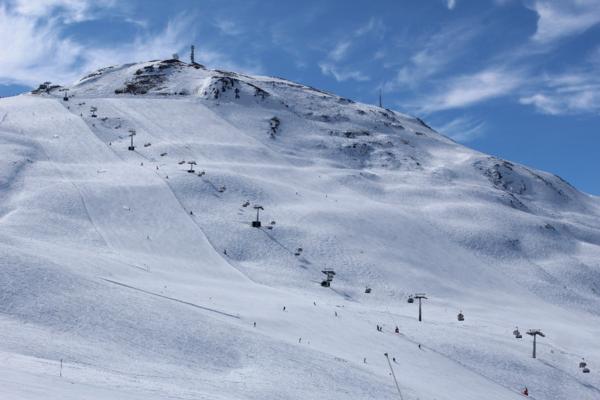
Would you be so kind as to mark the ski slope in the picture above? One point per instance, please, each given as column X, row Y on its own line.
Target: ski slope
column 146, row 280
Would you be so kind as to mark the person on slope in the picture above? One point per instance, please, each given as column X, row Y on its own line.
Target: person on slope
column 525, row 391
column 397, row 330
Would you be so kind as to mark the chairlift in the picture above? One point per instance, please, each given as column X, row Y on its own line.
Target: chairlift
column 410, row 299
column 461, row 316
column 586, row 370
column 582, row 364
column 367, row 290
column 329, row 273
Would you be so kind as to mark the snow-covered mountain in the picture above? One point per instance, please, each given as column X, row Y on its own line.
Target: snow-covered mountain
column 149, row 282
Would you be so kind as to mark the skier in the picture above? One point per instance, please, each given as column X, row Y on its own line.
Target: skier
column 191, row 213
column 365, row 360
column 335, row 312
column 419, row 346
column 283, row 308
column 525, row 391
column 394, row 359
column 397, row 330
column 255, row 324
column 299, row 340
column 225, row 251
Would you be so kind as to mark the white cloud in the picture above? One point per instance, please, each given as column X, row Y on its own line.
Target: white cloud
column 33, row 52
column 467, row 90
column 573, row 92
column 341, row 75
column 450, row 4
column 340, row 50
column 330, row 66
column 374, row 25
column 562, row 18
column 36, row 48
column 434, row 55
column 70, row 10
column 228, row 27
column 462, row 129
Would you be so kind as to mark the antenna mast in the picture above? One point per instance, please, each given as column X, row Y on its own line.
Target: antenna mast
column 380, row 103
column 192, row 56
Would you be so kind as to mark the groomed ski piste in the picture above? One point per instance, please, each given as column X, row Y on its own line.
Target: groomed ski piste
column 149, row 282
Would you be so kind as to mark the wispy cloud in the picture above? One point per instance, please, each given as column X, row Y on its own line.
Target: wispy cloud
column 466, row 90
column 462, row 129
column 331, row 65
column 228, row 26
column 374, row 25
column 342, row 74
column 450, row 4
column 435, row 55
column 37, row 48
column 562, row 18
column 68, row 10
column 573, row 92
column 340, row 50
column 518, row 74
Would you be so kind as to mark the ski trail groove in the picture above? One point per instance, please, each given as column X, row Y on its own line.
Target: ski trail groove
column 172, row 299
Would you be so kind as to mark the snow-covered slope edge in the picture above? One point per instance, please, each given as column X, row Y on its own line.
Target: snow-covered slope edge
column 147, row 280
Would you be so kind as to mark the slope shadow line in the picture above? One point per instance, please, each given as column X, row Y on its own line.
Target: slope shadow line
column 172, row 299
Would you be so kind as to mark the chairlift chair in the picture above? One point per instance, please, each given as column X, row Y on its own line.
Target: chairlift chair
column 517, row 333
column 582, row 364
column 461, row 316
column 329, row 277
column 410, row 299
column 367, row 290
column 586, row 370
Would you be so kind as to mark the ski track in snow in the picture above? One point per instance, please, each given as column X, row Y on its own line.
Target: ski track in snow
column 172, row 299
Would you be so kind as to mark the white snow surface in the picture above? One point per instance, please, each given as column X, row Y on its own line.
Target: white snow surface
column 146, row 280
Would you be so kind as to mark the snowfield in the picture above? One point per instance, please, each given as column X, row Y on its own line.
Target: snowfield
column 146, row 281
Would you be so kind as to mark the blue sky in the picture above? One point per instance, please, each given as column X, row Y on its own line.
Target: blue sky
column 519, row 79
